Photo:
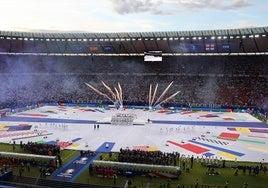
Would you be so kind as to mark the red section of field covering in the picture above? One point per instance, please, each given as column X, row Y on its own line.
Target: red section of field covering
column 190, row 147
column 141, row 148
column 229, row 119
column 162, row 111
column 209, row 115
column 63, row 144
column 23, row 124
column 188, row 112
column 229, row 136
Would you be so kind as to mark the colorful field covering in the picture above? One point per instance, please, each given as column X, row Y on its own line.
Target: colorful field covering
column 190, row 147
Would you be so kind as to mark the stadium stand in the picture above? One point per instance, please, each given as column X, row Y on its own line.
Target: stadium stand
column 203, row 81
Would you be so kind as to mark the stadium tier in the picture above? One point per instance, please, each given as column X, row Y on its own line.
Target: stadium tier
column 230, row 41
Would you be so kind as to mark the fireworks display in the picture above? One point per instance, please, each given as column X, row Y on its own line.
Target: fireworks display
column 117, row 94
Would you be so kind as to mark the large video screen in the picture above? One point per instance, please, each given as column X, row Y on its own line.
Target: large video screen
column 153, row 56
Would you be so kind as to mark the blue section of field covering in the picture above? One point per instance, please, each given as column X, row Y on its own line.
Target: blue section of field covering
column 106, row 147
column 218, row 148
column 44, row 120
column 99, row 110
column 71, row 170
column 213, row 123
column 208, row 154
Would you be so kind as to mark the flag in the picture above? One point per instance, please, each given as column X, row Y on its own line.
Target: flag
column 107, row 48
column 210, row 47
column 225, row 47
column 78, row 48
column 93, row 48
column 192, row 48
column 187, row 47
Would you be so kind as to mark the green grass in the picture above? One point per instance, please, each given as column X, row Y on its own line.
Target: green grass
column 198, row 172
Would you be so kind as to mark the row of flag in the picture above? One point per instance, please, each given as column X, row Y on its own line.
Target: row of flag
column 95, row 48
column 208, row 47
column 183, row 47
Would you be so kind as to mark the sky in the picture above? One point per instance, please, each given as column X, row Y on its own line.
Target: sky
column 131, row 15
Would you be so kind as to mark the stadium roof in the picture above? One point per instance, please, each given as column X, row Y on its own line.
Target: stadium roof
column 198, row 33
column 227, row 41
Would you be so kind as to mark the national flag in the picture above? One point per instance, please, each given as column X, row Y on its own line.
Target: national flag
column 210, row 47
column 107, row 48
column 192, row 48
column 93, row 48
column 187, row 47
column 78, row 48
column 225, row 46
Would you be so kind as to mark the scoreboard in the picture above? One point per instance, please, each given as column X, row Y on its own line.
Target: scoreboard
column 153, row 56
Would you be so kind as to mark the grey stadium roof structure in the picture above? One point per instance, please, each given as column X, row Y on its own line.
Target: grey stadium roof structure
column 246, row 41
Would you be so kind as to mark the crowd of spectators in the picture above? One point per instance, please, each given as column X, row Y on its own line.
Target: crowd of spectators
column 213, row 164
column 41, row 149
column 231, row 81
column 145, row 157
column 7, row 162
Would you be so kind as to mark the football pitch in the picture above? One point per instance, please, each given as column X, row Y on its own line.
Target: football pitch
column 202, row 134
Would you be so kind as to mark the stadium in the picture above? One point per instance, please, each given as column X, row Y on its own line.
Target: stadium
column 197, row 93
